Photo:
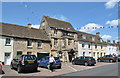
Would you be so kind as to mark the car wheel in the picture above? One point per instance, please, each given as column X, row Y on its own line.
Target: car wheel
column 86, row 64
column 99, row 60
column 73, row 63
column 19, row 70
column 110, row 61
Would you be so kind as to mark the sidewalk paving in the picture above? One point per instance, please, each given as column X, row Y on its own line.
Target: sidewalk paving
column 66, row 68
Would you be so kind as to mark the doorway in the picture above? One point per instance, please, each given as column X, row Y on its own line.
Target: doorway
column 7, row 58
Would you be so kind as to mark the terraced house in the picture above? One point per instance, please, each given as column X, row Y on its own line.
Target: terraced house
column 91, row 45
column 63, row 37
column 17, row 40
column 112, row 48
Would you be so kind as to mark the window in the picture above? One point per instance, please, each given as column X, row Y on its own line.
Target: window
column 19, row 52
column 29, row 43
column 39, row 43
column 83, row 45
column 8, row 40
column 94, row 54
column 55, row 31
column 101, row 47
column 104, row 54
column 88, row 45
column 84, row 36
column 69, row 41
column 96, row 46
column 55, row 41
column 101, row 54
column 29, row 53
column 93, row 38
column 83, row 53
column 97, row 54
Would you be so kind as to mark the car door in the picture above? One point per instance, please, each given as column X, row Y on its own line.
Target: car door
column 82, row 60
column 76, row 60
column 42, row 62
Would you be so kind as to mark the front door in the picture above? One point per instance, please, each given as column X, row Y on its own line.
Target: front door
column 7, row 58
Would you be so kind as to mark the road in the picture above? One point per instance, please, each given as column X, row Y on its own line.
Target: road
column 108, row 70
column 66, row 69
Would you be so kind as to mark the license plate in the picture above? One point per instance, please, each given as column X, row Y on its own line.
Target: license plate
column 30, row 61
column 57, row 65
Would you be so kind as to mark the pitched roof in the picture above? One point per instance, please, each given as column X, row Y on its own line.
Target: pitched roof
column 89, row 38
column 22, row 32
column 55, row 23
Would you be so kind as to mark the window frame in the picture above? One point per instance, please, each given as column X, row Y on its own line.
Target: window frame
column 28, row 43
column 8, row 43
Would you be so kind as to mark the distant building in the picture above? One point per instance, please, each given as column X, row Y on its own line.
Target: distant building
column 112, row 48
column 16, row 40
column 91, row 45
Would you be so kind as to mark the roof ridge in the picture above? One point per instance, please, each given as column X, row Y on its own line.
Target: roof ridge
column 20, row 26
column 57, row 19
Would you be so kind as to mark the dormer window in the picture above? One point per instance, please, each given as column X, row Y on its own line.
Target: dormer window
column 83, row 36
column 93, row 38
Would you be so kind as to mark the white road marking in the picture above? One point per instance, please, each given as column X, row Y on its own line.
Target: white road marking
column 71, row 67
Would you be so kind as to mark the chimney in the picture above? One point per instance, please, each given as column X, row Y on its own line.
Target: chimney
column 98, row 33
column 113, row 41
column 108, row 41
column 29, row 25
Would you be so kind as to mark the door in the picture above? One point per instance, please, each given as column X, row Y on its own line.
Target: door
column 41, row 55
column 7, row 58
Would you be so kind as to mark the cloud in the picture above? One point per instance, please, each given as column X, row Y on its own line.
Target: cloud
column 106, row 37
column 111, row 4
column 60, row 17
column 112, row 23
column 89, row 27
column 35, row 26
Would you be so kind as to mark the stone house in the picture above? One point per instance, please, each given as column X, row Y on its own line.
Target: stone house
column 62, row 35
column 16, row 40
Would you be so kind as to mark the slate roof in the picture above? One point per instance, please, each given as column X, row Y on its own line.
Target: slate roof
column 89, row 38
column 13, row 30
column 55, row 23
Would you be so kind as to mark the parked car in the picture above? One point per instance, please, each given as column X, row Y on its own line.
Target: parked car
column 0, row 69
column 118, row 58
column 24, row 62
column 44, row 62
column 110, row 58
column 84, row 60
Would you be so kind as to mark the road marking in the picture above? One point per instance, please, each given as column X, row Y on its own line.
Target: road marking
column 71, row 67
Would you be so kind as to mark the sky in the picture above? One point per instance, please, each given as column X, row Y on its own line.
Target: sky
column 79, row 14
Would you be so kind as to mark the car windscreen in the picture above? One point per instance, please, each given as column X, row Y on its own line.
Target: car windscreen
column 56, row 58
column 30, row 57
column 89, row 57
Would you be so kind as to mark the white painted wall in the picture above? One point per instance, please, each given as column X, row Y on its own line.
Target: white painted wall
column 112, row 50
column 5, row 49
column 85, row 49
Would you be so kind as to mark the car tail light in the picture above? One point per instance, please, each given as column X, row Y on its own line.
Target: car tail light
column 22, row 62
column 115, row 57
column 89, row 59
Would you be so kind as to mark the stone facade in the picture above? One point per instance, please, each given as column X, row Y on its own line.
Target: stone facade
column 61, row 41
column 20, row 45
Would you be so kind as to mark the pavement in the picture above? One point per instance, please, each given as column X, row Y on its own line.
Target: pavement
column 107, row 70
column 66, row 68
